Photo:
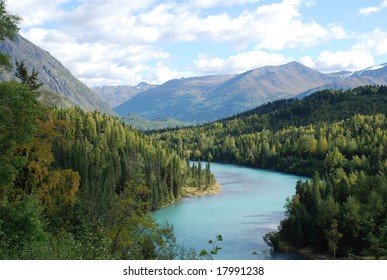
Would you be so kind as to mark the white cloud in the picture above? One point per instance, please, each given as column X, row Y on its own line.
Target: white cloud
column 162, row 73
column 359, row 56
column 350, row 60
column 238, row 63
column 373, row 9
column 118, row 40
column 337, row 31
column 376, row 41
column 35, row 12
column 279, row 25
column 307, row 61
column 274, row 26
column 220, row 3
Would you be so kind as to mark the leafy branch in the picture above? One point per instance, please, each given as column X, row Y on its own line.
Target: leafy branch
column 214, row 249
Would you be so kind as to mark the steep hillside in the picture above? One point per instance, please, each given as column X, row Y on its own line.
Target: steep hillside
column 52, row 73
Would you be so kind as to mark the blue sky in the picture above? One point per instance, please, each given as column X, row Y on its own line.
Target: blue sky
column 120, row 42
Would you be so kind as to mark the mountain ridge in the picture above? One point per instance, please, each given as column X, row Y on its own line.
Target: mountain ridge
column 52, row 74
column 195, row 99
column 185, row 100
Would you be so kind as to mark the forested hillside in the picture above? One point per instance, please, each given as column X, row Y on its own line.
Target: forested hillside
column 81, row 185
column 339, row 138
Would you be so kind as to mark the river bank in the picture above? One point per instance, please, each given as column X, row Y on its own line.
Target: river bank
column 215, row 188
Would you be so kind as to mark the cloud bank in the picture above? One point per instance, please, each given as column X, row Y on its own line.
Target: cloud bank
column 126, row 42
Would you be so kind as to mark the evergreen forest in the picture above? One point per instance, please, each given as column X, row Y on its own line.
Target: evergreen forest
column 81, row 185
column 339, row 139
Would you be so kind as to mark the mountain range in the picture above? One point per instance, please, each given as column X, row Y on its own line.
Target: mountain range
column 208, row 98
column 59, row 84
column 189, row 100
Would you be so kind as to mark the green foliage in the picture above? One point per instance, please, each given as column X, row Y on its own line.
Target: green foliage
column 31, row 80
column 214, row 250
column 8, row 29
column 333, row 237
column 5, row 61
column 18, row 111
column 78, row 185
column 142, row 124
column 8, row 23
column 262, row 254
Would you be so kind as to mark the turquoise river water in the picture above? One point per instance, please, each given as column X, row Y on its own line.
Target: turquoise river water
column 250, row 205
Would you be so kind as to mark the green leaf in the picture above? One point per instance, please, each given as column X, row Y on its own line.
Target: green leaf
column 203, row 253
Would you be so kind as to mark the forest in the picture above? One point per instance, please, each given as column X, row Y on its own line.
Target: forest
column 81, row 185
column 338, row 138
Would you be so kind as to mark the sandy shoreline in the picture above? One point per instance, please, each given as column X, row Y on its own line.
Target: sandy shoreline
column 214, row 189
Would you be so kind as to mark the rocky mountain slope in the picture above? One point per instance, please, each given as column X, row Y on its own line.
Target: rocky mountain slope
column 53, row 74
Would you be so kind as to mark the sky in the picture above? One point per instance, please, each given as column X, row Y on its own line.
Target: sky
column 125, row 42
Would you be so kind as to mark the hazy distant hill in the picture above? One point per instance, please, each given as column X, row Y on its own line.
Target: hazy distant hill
column 209, row 98
column 178, row 99
column 116, row 95
column 53, row 74
column 203, row 99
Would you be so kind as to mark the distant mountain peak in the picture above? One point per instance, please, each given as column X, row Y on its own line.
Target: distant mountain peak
column 143, row 84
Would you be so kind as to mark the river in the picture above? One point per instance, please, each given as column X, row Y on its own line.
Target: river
column 250, row 205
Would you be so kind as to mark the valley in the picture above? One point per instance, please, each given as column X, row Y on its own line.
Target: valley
column 90, row 174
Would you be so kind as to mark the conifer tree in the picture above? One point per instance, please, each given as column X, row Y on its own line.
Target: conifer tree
column 30, row 80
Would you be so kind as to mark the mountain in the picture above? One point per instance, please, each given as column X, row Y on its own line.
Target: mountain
column 179, row 99
column 203, row 99
column 116, row 95
column 52, row 74
column 262, row 85
column 375, row 75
